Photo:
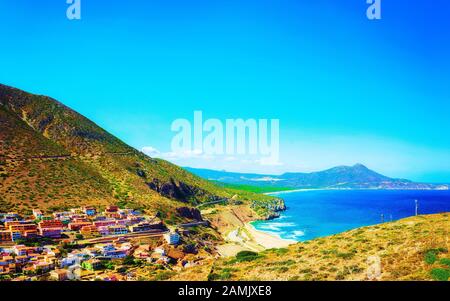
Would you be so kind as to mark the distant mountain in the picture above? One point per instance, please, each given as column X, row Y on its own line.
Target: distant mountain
column 341, row 177
column 52, row 157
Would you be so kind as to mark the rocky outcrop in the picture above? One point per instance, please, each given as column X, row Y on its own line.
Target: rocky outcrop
column 175, row 190
column 269, row 209
column 190, row 213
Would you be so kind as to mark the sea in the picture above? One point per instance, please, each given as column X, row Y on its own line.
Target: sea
column 317, row 213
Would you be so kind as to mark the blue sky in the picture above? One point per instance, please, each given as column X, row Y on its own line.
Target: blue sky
column 344, row 88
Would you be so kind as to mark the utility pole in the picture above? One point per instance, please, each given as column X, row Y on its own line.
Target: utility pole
column 417, row 207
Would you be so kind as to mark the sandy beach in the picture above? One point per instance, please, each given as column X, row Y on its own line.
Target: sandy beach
column 248, row 238
column 268, row 241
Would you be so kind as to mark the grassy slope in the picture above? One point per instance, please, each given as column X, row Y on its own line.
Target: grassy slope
column 102, row 169
column 27, row 184
column 403, row 248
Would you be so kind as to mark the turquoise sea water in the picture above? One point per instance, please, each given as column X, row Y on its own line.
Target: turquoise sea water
column 319, row 213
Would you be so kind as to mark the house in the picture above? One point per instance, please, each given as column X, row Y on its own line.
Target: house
column 99, row 218
column 6, row 260
column 21, row 259
column 60, row 275
column 92, row 265
column 8, row 269
column 69, row 260
column 37, row 214
column 116, row 253
column 21, row 229
column 16, row 235
column 75, row 271
column 117, row 230
column 65, row 220
column 112, row 209
column 53, row 223
column 132, row 220
column 110, row 251
column 11, row 216
column 172, row 238
column 89, row 211
column 103, row 230
column 30, row 234
column 59, row 215
column 76, row 210
column 76, row 226
column 104, row 223
column 5, row 236
column 51, row 228
column 42, row 267
column 160, row 251
column 50, row 232
column 89, row 231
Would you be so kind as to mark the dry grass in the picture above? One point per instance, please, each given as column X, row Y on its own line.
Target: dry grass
column 400, row 248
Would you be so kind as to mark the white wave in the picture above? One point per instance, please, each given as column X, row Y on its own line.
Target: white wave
column 295, row 235
column 276, row 226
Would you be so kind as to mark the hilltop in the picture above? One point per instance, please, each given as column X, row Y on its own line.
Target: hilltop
column 414, row 248
column 53, row 158
column 357, row 176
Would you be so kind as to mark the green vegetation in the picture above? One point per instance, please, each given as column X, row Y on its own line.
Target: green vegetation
column 247, row 256
column 431, row 256
column 440, row 274
column 445, row 261
column 255, row 189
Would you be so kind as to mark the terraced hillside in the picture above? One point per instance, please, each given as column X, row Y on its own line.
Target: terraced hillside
column 52, row 157
column 415, row 248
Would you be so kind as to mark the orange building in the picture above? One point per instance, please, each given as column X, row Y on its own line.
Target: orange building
column 23, row 228
column 89, row 231
column 51, row 224
column 78, row 225
column 5, row 236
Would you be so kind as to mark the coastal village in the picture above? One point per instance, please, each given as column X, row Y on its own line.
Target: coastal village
column 85, row 244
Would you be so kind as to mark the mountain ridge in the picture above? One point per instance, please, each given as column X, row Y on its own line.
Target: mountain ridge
column 357, row 176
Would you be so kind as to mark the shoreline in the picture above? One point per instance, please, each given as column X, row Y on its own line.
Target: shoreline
column 345, row 189
column 268, row 240
column 247, row 238
column 297, row 190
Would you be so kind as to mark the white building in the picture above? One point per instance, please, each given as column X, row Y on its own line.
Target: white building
column 172, row 238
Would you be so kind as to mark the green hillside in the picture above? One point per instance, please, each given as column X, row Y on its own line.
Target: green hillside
column 52, row 157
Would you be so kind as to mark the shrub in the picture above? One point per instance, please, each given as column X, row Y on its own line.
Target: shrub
column 345, row 255
column 281, row 251
column 247, row 256
column 445, row 261
column 431, row 255
column 440, row 274
column 161, row 276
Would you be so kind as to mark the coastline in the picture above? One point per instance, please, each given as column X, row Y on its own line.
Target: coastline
column 268, row 240
column 296, row 190
column 247, row 238
column 355, row 189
